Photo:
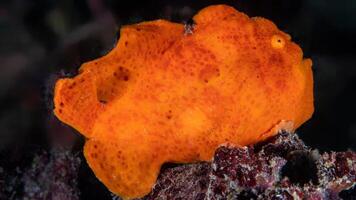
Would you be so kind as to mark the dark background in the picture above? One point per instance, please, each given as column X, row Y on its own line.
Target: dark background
column 42, row 40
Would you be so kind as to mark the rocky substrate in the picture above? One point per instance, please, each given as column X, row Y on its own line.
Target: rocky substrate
column 281, row 168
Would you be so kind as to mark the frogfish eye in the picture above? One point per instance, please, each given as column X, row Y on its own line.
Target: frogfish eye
column 277, row 42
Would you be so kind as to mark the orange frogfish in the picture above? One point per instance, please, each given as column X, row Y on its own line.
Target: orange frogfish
column 165, row 94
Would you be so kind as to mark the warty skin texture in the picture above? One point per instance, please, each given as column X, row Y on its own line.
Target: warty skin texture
column 162, row 95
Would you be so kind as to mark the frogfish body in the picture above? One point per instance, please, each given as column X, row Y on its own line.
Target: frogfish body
column 167, row 95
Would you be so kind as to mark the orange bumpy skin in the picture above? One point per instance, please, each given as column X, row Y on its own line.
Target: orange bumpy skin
column 163, row 95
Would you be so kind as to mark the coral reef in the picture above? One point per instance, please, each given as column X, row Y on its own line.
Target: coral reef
column 172, row 182
column 281, row 168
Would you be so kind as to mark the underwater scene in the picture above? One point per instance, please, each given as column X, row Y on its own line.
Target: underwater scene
column 221, row 99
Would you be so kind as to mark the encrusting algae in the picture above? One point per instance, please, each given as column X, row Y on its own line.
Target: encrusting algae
column 165, row 96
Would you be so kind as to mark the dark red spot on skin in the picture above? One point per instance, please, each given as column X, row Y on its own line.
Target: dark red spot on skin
column 280, row 84
column 72, row 85
column 103, row 101
column 276, row 59
column 122, row 74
